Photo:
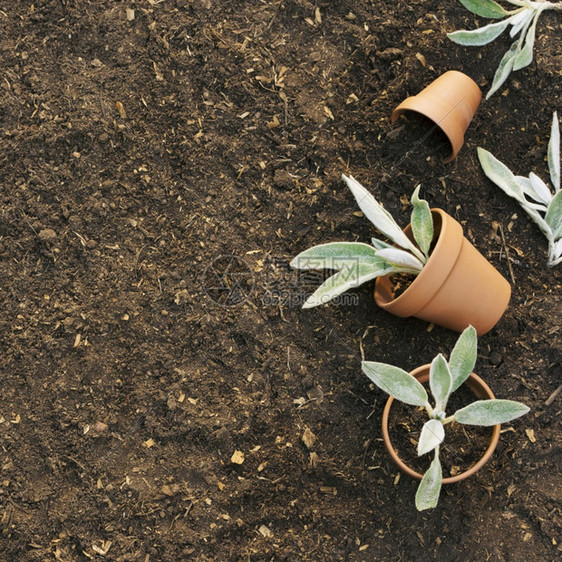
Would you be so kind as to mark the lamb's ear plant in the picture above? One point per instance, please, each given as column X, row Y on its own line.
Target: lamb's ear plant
column 444, row 378
column 533, row 194
column 523, row 21
column 356, row 262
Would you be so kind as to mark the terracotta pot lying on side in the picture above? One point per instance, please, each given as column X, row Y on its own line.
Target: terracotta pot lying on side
column 457, row 286
column 450, row 102
column 482, row 392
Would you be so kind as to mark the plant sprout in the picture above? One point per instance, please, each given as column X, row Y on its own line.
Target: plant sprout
column 356, row 262
column 444, row 378
column 533, row 194
column 523, row 21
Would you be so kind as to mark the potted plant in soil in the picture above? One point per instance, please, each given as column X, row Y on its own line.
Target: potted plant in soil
column 444, row 378
column 450, row 282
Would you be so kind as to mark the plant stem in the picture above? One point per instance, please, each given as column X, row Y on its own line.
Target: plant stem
column 448, row 420
column 430, row 411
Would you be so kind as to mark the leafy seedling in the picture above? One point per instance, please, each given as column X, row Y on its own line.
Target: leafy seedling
column 444, row 378
column 533, row 194
column 356, row 262
column 523, row 21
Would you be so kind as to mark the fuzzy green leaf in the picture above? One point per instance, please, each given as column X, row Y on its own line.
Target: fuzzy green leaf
column 378, row 215
column 440, row 382
column 427, row 495
column 400, row 258
column 432, row 434
column 480, row 36
column 379, row 244
column 554, row 216
column 500, row 174
column 540, row 190
column 525, row 56
column 396, row 382
column 347, row 278
column 504, row 68
column 336, row 255
column 484, row 8
column 529, row 191
column 463, row 357
column 554, row 152
column 490, row 412
column 422, row 223
column 520, row 21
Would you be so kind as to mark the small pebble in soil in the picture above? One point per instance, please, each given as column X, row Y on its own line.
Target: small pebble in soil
column 47, row 235
column 495, row 358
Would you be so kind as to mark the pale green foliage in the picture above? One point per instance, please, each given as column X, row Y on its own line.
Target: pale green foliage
column 422, row 222
column 523, row 21
column 484, row 8
column 396, row 382
column 533, row 194
column 463, row 357
column 432, row 434
column 427, row 495
column 444, row 378
column 357, row 263
column 440, row 382
column 490, row 412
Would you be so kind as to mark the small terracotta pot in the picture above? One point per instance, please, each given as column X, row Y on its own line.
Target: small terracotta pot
column 450, row 102
column 481, row 390
column 457, row 286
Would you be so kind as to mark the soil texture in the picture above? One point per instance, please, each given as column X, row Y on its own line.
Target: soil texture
column 163, row 395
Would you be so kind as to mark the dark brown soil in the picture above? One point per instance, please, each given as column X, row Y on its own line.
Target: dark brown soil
column 158, row 373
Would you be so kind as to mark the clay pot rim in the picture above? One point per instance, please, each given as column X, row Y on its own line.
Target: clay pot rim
column 478, row 386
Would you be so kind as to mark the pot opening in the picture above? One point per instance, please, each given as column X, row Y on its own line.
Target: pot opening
column 423, row 135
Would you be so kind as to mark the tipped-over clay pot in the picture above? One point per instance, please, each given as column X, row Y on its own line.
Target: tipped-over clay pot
column 480, row 389
column 456, row 287
column 450, row 102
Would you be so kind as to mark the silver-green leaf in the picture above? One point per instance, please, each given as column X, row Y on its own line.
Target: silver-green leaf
column 400, row 258
column 553, row 216
column 344, row 280
column 490, row 412
column 337, row 255
column 554, row 152
column 484, row 8
column 440, row 382
column 427, row 495
column 504, row 68
column 463, row 357
column 500, row 174
column 396, row 382
column 480, row 36
column 380, row 244
column 519, row 21
column 525, row 56
column 431, row 436
column 540, row 190
column 422, row 223
column 380, row 217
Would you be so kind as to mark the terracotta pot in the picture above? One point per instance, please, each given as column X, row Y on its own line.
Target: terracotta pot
column 450, row 102
column 481, row 390
column 457, row 286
